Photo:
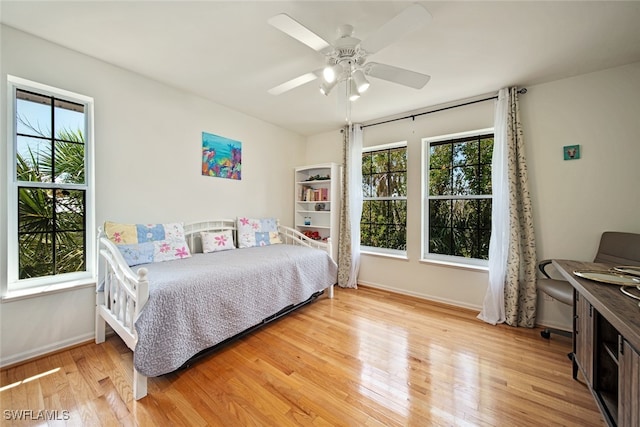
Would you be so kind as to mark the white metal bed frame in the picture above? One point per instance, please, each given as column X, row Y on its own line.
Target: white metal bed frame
column 121, row 294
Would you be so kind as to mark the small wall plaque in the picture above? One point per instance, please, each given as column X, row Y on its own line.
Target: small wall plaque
column 571, row 152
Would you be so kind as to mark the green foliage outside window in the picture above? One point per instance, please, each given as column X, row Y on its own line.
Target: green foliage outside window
column 460, row 197
column 51, row 208
column 384, row 209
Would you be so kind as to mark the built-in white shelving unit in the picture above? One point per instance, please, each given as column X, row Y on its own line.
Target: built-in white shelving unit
column 317, row 201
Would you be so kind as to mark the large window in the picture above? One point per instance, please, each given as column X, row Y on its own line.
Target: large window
column 50, row 197
column 458, row 197
column 384, row 209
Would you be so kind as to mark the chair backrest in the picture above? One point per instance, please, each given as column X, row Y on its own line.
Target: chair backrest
column 619, row 248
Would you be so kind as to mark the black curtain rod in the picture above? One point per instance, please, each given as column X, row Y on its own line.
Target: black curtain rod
column 413, row 116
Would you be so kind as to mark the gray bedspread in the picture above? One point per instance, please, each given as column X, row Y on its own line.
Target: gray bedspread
column 197, row 302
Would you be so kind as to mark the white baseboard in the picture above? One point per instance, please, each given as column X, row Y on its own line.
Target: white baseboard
column 422, row 296
column 544, row 322
column 50, row 348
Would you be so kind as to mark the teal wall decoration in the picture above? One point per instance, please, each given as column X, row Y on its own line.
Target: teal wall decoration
column 571, row 152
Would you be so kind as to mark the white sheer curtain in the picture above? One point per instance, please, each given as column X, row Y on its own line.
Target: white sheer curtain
column 493, row 309
column 351, row 208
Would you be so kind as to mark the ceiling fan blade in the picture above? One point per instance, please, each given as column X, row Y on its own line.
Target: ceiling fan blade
column 294, row 83
column 293, row 28
column 408, row 20
column 397, row 75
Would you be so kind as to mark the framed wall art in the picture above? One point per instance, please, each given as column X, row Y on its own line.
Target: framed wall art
column 571, row 152
column 221, row 157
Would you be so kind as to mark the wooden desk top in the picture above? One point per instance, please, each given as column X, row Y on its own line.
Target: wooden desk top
column 620, row 310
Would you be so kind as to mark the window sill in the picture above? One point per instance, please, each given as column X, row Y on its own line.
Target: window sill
column 38, row 291
column 456, row 265
column 399, row 256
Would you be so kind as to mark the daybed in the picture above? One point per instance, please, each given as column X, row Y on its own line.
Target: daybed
column 169, row 311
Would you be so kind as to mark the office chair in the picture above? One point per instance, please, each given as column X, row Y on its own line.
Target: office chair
column 558, row 289
column 615, row 248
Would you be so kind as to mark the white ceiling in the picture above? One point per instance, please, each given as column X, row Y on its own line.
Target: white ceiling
column 226, row 51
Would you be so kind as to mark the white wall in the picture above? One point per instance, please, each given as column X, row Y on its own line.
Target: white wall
column 574, row 201
column 148, row 162
column 324, row 147
column 579, row 199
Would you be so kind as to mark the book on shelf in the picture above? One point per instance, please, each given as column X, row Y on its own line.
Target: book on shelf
column 304, row 193
column 308, row 194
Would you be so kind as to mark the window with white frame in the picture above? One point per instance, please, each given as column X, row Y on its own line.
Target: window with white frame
column 457, row 188
column 50, row 189
column 383, row 225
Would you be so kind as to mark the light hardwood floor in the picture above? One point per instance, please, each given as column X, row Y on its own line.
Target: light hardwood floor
column 365, row 358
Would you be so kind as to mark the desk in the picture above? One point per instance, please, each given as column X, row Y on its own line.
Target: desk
column 606, row 343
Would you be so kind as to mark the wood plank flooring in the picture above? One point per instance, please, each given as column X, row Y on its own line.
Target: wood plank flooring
column 365, row 358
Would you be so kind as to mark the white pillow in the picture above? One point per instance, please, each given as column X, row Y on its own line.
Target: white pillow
column 216, row 241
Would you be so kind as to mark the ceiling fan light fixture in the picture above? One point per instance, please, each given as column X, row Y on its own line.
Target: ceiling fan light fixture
column 353, row 91
column 361, row 82
column 325, row 88
column 331, row 72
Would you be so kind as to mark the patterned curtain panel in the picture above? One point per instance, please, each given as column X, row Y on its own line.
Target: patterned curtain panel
column 511, row 295
column 350, row 208
column 520, row 281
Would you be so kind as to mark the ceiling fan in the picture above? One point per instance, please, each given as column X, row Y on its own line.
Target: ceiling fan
column 346, row 57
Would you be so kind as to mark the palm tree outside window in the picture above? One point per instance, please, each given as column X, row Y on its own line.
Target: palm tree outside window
column 50, row 199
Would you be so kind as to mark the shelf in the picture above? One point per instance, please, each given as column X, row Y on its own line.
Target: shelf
column 316, row 181
column 311, row 194
column 611, row 350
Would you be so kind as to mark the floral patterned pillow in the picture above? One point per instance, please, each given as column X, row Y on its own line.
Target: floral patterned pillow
column 145, row 243
column 257, row 232
column 215, row 242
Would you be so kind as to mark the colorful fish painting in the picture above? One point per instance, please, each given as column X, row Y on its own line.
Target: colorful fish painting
column 221, row 157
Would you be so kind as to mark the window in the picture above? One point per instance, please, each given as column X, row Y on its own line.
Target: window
column 50, row 186
column 458, row 197
column 384, row 188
